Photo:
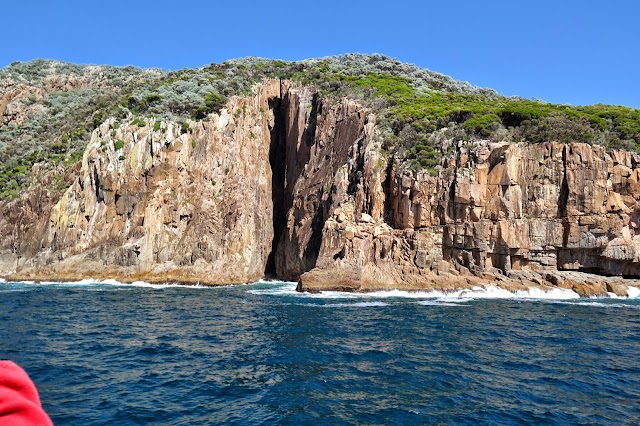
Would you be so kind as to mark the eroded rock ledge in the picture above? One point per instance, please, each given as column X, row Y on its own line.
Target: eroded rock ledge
column 287, row 184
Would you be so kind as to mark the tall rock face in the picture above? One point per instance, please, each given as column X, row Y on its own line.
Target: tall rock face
column 165, row 202
column 517, row 215
column 226, row 200
column 317, row 143
column 284, row 183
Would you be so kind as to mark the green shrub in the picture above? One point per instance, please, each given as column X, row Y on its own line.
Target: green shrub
column 138, row 122
column 212, row 103
column 482, row 124
column 119, row 144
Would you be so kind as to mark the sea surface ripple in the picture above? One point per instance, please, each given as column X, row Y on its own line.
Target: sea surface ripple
column 110, row 354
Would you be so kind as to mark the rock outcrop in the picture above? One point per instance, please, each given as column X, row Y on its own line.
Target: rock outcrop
column 162, row 201
column 288, row 184
column 218, row 201
column 514, row 215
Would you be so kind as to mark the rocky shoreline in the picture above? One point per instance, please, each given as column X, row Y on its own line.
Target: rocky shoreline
column 580, row 283
column 583, row 284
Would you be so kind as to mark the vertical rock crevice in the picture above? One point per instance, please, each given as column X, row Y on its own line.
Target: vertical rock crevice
column 277, row 161
column 96, row 182
column 293, row 139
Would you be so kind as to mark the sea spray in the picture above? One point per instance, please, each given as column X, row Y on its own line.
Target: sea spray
column 633, row 292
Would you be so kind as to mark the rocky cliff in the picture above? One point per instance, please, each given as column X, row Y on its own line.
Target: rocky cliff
column 285, row 183
column 516, row 215
column 225, row 200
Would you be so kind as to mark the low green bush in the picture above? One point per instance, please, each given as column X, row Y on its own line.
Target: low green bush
column 138, row 122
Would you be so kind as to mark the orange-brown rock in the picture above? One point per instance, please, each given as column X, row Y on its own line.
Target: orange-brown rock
column 286, row 183
column 236, row 196
column 515, row 214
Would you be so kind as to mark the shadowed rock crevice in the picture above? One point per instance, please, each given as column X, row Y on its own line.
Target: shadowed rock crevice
column 96, row 181
column 277, row 161
column 564, row 188
column 323, row 184
column 310, row 141
column 293, row 149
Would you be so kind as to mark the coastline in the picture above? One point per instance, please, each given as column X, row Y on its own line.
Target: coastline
column 567, row 284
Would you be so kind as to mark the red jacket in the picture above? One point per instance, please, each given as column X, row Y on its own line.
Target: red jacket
column 19, row 400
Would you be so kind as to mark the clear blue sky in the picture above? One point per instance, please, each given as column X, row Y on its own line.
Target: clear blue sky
column 564, row 51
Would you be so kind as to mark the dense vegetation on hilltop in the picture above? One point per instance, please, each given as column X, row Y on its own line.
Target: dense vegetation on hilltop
column 424, row 114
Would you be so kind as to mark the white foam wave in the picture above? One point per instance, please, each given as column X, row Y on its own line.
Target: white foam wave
column 90, row 282
column 2, row 281
column 370, row 304
column 66, row 283
column 633, row 292
column 488, row 292
column 531, row 293
column 155, row 286
column 600, row 304
column 457, row 300
column 357, row 304
column 276, row 289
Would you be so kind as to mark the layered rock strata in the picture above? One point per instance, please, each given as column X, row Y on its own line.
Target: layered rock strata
column 287, row 184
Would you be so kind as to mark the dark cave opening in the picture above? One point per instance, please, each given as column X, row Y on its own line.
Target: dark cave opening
column 277, row 161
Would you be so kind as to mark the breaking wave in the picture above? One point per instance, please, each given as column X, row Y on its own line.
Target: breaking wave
column 633, row 292
column 600, row 304
column 92, row 284
column 357, row 305
column 284, row 288
column 489, row 292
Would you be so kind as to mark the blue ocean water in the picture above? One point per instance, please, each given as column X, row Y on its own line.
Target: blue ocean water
column 108, row 354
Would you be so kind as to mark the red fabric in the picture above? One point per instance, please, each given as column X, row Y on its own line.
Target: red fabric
column 19, row 400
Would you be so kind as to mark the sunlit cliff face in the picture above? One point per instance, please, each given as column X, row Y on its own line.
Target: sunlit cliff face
column 287, row 184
